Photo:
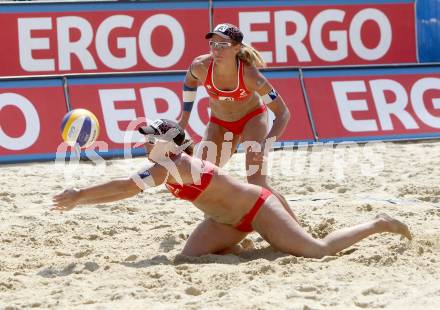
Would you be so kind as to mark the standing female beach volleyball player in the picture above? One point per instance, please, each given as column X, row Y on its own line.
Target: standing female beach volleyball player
column 233, row 208
column 238, row 97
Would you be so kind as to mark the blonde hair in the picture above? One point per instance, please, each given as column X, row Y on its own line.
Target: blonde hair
column 251, row 56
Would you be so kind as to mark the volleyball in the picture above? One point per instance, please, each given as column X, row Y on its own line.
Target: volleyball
column 80, row 126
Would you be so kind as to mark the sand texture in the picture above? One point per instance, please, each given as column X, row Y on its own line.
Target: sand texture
column 125, row 255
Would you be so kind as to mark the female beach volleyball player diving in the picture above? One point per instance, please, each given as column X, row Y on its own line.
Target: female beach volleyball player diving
column 233, row 208
column 238, row 97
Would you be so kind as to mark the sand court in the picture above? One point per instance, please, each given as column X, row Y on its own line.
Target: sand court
column 126, row 254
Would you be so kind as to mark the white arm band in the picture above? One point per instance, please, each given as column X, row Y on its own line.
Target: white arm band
column 143, row 179
column 270, row 96
column 189, row 95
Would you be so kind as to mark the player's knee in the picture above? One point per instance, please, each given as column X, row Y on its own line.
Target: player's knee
column 187, row 251
column 318, row 249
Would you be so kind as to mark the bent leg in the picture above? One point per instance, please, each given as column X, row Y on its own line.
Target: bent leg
column 211, row 237
column 280, row 197
column 255, row 131
column 261, row 179
column 213, row 146
column 277, row 227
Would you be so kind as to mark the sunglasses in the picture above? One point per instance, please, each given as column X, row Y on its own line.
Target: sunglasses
column 219, row 45
column 153, row 140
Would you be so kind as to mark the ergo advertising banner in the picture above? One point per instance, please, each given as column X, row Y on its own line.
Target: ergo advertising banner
column 103, row 37
column 383, row 104
column 118, row 103
column 110, row 37
column 30, row 119
column 300, row 33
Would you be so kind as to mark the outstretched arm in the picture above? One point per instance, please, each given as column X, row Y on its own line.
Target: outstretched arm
column 107, row 192
column 110, row 191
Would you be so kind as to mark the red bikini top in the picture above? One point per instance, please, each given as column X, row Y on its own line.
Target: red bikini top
column 190, row 192
column 239, row 93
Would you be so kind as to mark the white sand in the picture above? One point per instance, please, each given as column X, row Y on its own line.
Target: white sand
column 125, row 255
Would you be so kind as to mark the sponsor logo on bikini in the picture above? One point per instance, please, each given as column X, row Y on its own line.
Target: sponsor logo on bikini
column 173, row 190
column 226, row 98
column 212, row 92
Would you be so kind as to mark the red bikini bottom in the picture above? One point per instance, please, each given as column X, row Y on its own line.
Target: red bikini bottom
column 245, row 224
column 237, row 127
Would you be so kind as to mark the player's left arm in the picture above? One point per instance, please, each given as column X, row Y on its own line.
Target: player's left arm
column 273, row 101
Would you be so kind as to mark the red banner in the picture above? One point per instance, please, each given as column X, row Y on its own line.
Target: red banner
column 116, row 102
column 295, row 34
column 89, row 37
column 299, row 128
column 381, row 103
column 31, row 112
column 30, row 119
column 350, row 104
column 86, row 37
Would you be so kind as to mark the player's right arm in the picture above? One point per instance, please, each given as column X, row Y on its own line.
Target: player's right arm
column 189, row 92
column 110, row 191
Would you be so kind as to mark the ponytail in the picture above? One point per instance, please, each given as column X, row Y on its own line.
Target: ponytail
column 251, row 56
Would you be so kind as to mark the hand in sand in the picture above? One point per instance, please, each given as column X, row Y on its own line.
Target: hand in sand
column 66, row 201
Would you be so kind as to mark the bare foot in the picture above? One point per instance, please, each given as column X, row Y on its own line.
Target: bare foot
column 393, row 225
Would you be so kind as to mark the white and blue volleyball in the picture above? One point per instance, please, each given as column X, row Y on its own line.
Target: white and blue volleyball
column 80, row 126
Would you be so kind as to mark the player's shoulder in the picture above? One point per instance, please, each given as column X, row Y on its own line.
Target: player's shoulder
column 252, row 76
column 202, row 60
column 200, row 66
